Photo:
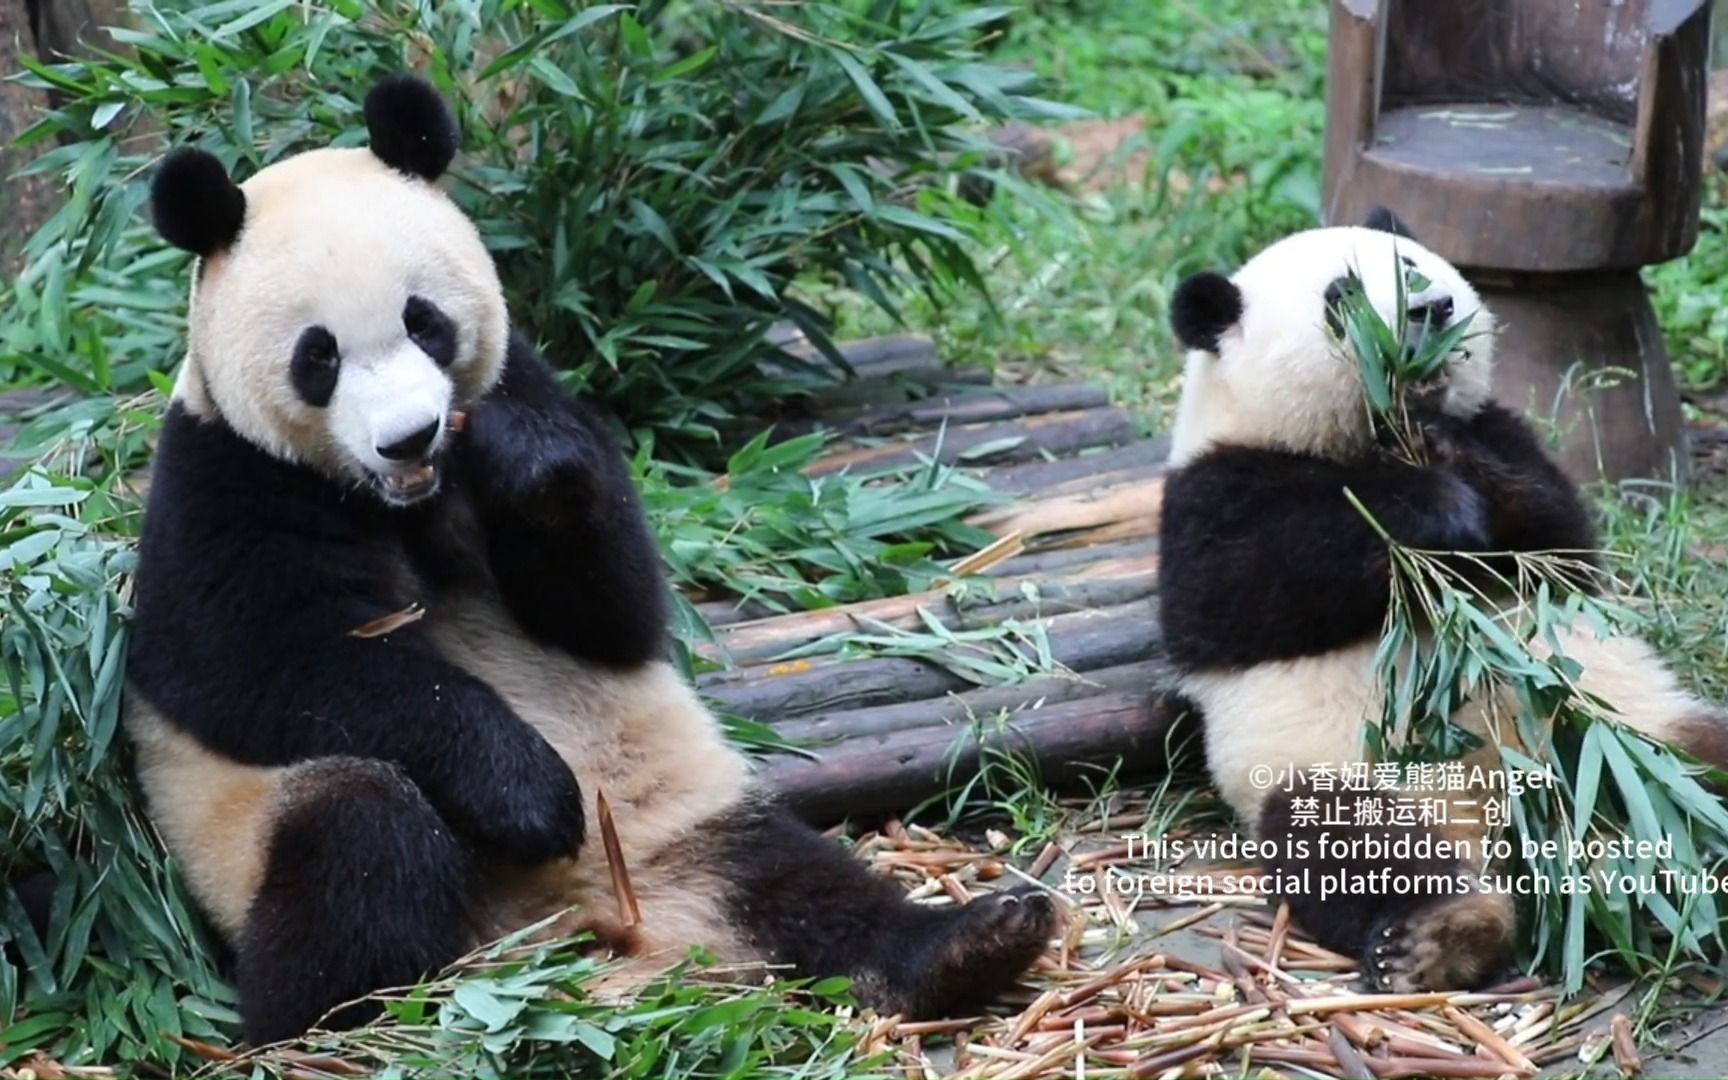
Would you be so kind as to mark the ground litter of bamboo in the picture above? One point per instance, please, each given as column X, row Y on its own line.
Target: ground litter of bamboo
column 1210, row 985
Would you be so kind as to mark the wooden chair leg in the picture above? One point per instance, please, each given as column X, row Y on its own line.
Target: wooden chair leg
column 1582, row 354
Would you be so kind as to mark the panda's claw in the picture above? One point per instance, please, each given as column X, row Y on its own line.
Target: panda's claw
column 971, row 953
column 1451, row 943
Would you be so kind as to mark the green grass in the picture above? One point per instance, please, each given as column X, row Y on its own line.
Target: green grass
column 1232, row 101
column 1688, row 293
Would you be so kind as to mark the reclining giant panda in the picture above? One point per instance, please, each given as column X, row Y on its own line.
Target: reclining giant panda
column 357, row 796
column 1274, row 588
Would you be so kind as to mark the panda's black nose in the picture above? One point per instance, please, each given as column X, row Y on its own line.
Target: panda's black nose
column 411, row 447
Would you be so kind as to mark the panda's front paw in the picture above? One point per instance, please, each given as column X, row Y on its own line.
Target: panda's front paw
column 521, row 455
column 1461, row 516
column 521, row 803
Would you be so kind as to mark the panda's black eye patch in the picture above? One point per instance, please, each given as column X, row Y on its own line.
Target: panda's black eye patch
column 317, row 361
column 1336, row 290
column 430, row 329
column 1437, row 312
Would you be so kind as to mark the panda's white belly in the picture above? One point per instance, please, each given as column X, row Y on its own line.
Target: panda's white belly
column 644, row 740
column 1286, row 714
column 641, row 737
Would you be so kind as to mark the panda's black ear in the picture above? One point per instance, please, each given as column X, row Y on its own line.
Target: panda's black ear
column 411, row 128
column 195, row 204
column 1205, row 305
column 1383, row 220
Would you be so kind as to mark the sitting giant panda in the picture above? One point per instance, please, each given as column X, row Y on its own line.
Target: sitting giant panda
column 358, row 796
column 1274, row 588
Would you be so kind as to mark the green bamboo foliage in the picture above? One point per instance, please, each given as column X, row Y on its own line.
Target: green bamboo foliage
column 653, row 178
column 1489, row 631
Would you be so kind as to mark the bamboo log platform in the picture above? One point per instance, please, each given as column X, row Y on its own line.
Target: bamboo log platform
column 1068, row 587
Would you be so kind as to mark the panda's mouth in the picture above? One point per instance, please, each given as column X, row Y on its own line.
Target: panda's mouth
column 407, row 484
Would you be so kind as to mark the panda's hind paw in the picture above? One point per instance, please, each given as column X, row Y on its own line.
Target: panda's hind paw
column 1454, row 943
column 980, row 951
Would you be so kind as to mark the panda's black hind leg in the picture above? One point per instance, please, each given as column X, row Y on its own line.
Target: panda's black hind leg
column 804, row 900
column 364, row 888
column 1416, row 921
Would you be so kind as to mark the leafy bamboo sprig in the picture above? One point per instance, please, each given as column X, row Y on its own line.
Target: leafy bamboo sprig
column 1491, row 631
column 1395, row 358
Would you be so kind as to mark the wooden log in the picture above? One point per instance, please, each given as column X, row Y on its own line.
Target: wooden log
column 730, row 612
column 963, row 405
column 1018, row 440
column 1066, row 741
column 72, row 28
column 1068, row 504
column 1105, row 583
column 1080, row 485
column 816, row 731
column 1083, row 641
column 1044, row 562
column 893, row 368
column 1126, row 529
column 1136, row 498
column 1037, row 475
column 719, row 613
column 889, row 355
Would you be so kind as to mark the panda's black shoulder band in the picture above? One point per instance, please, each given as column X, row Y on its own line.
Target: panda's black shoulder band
column 410, row 126
column 195, row 204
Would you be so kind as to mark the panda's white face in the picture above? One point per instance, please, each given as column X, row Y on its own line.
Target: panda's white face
column 1270, row 372
column 354, row 311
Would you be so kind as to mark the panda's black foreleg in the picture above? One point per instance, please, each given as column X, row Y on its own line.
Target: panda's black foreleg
column 1399, row 897
column 1531, row 504
column 364, row 888
column 803, row 900
column 566, row 539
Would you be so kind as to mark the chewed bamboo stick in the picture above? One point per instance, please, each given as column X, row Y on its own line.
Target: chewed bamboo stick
column 1488, row 1039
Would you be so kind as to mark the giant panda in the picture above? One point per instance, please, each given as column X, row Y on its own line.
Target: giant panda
column 399, row 624
column 1274, row 588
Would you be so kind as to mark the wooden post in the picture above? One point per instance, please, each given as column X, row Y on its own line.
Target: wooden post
column 1550, row 149
column 25, row 202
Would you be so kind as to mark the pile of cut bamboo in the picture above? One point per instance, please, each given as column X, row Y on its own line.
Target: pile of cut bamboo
column 1075, row 557
column 1110, row 1004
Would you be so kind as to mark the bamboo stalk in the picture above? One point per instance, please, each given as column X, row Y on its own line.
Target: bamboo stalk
column 1487, row 1038
column 1365, row 1002
column 1626, row 1057
column 1092, row 988
column 629, row 912
column 1003, row 549
column 1350, row 1063
column 1126, row 529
